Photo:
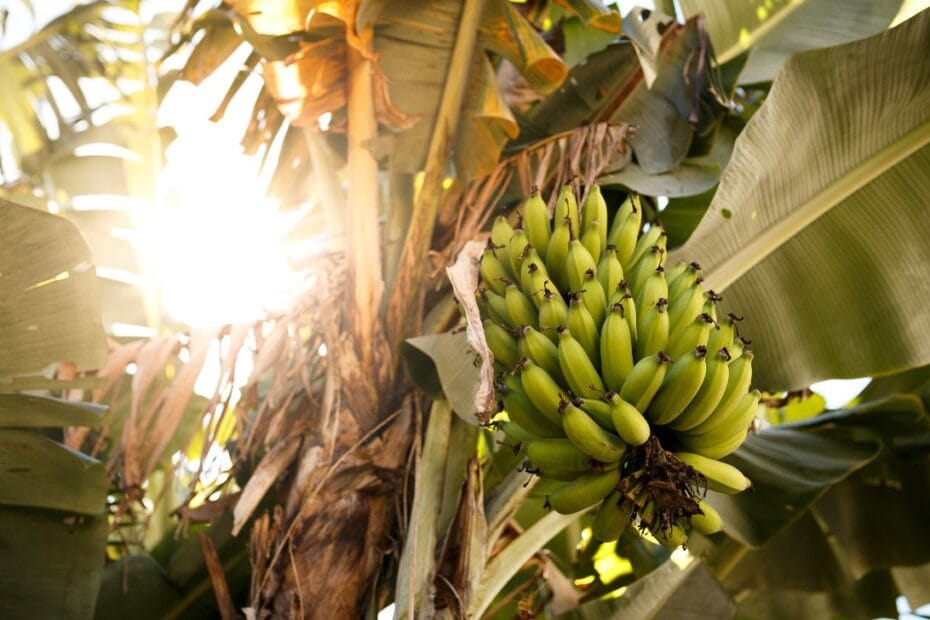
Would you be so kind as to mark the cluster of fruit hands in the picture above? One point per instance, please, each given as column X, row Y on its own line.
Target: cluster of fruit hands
column 617, row 381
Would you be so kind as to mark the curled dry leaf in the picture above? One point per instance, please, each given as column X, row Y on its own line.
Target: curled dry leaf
column 463, row 275
column 268, row 471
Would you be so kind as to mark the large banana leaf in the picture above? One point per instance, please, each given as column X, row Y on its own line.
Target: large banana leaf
column 773, row 30
column 818, row 230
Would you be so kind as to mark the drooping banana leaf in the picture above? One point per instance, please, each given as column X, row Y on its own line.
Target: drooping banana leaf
column 817, row 233
column 773, row 30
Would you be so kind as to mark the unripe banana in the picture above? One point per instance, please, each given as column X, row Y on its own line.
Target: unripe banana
column 522, row 411
column 519, row 307
column 644, row 380
column 501, row 232
column 681, row 384
column 557, row 252
column 579, row 372
column 515, row 434
column 542, row 390
column 674, row 272
column 616, row 348
column 559, row 454
column 567, row 207
column 627, row 420
column 584, row 492
column 516, row 248
column 708, row 522
column 671, row 537
column 685, row 306
column 578, row 262
column 541, row 350
column 539, row 282
column 737, row 385
column 588, row 436
column 738, row 347
column 708, row 397
column 727, row 437
column 684, row 279
column 720, row 476
column 648, row 239
column 652, row 330
column 595, row 210
column 609, row 271
column 651, row 290
column 710, row 303
column 593, row 297
column 722, row 337
column 502, row 343
column 553, row 312
column 530, row 259
column 498, row 309
column 536, row 221
column 612, row 518
column 630, row 313
column 625, row 230
column 597, row 409
column 694, row 334
column 591, row 239
column 643, row 268
column 492, row 271
column 582, row 327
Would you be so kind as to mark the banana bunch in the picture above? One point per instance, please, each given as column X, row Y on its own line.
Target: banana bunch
column 617, row 378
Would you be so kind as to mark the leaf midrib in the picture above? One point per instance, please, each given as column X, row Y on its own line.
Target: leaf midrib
column 736, row 265
column 764, row 28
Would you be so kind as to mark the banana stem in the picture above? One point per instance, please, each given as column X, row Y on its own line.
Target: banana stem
column 734, row 551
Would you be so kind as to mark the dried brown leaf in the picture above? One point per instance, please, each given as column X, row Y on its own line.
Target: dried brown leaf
column 268, row 471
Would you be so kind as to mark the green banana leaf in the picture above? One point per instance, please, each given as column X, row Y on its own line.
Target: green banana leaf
column 441, row 365
column 817, row 233
column 773, row 30
column 50, row 311
column 667, row 593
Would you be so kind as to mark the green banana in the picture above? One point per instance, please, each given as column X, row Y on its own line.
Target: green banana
column 540, row 349
column 609, row 270
column 616, row 349
column 597, row 409
column 595, row 210
column 514, row 433
column 582, row 326
column 651, row 290
column 627, row 420
column 591, row 239
column 625, row 230
column 584, row 492
column 681, row 384
column 501, row 343
column 684, row 307
column 643, row 268
column 567, row 207
column 715, row 384
column 726, row 438
column 644, row 380
column 671, row 537
column 629, row 312
column 593, row 296
column 516, row 248
column 558, row 454
column 539, row 281
column 577, row 263
column 613, row 516
column 708, row 522
column 522, row 411
column 542, row 390
column 498, row 306
column 720, row 476
column 492, row 271
column 737, row 385
column 557, row 252
column 536, row 221
column 710, row 303
column 579, row 372
column 519, row 307
column 553, row 312
column 684, row 279
column 652, row 330
column 588, row 436
column 722, row 336
column 648, row 239
column 694, row 334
